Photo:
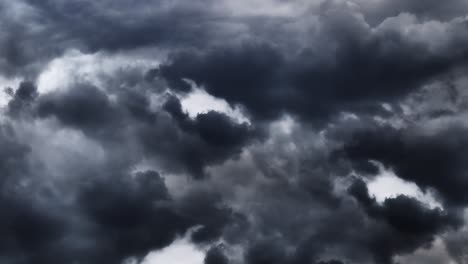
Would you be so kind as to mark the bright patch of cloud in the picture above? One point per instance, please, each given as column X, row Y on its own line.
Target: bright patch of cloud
column 388, row 185
column 199, row 101
column 7, row 83
column 91, row 68
column 180, row 251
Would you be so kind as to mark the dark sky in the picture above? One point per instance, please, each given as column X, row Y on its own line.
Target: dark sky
column 264, row 131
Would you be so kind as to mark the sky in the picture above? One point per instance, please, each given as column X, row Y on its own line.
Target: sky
column 234, row 132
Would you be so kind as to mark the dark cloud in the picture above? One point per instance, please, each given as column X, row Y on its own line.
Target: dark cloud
column 368, row 66
column 330, row 262
column 83, row 107
column 208, row 139
column 136, row 215
column 93, row 27
column 216, row 256
column 22, row 98
column 168, row 134
column 111, row 220
column 433, row 160
column 112, row 215
column 28, row 227
column 405, row 214
column 240, row 75
column 161, row 26
column 130, row 211
column 410, row 223
column 28, row 230
column 266, row 252
column 108, row 161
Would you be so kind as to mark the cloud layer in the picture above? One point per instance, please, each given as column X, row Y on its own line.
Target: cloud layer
column 305, row 104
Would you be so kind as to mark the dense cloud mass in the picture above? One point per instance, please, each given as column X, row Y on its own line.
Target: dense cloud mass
column 255, row 132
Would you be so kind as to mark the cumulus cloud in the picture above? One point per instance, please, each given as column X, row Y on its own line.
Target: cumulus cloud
column 238, row 132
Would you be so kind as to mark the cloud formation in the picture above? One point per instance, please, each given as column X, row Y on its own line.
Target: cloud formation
column 103, row 161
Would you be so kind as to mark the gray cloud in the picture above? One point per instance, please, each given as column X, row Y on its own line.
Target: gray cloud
column 107, row 163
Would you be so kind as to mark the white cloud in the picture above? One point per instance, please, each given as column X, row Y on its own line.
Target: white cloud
column 180, row 251
column 269, row 7
column 5, row 83
column 388, row 185
column 199, row 101
column 89, row 68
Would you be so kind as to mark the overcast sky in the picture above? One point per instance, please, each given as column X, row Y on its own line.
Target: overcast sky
column 233, row 132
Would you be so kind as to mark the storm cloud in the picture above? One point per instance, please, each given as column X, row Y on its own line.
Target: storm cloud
column 257, row 132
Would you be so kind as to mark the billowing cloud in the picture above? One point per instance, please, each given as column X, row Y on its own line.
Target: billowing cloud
column 242, row 132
